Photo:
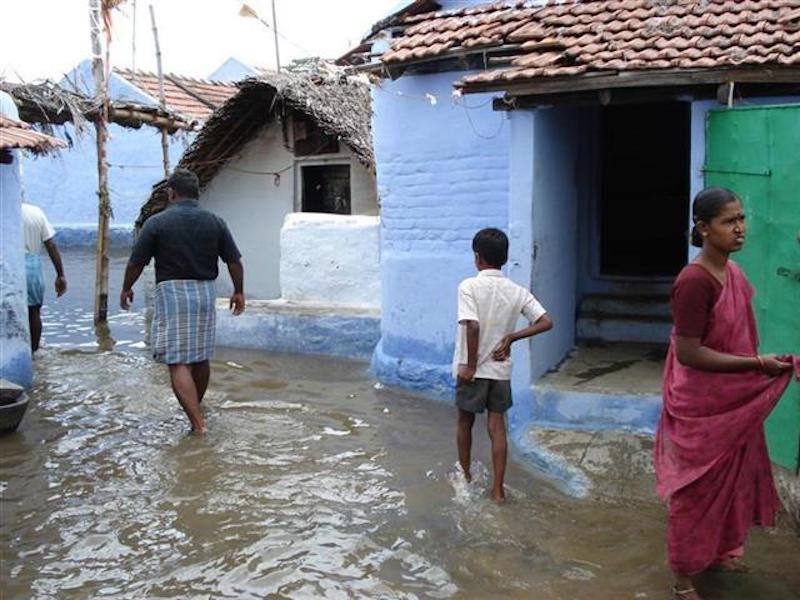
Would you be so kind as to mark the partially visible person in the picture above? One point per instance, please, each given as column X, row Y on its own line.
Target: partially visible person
column 711, row 458
column 489, row 307
column 39, row 234
column 186, row 242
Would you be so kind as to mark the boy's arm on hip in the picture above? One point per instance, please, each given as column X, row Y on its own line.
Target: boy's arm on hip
column 503, row 350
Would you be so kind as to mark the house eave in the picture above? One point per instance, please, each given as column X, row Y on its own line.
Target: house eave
column 606, row 80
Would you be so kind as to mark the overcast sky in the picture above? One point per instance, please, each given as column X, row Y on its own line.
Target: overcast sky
column 47, row 38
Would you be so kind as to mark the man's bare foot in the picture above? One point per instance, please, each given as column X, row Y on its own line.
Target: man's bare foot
column 498, row 496
column 468, row 476
column 198, row 431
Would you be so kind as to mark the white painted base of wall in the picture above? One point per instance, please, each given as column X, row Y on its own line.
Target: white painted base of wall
column 331, row 260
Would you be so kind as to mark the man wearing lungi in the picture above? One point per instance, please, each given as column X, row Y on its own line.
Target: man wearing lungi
column 186, row 242
column 39, row 234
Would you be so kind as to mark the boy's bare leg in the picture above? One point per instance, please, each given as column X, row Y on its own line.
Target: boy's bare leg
column 464, row 440
column 496, row 423
column 200, row 374
column 184, row 387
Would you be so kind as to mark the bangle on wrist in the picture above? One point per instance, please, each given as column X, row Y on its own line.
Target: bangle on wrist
column 760, row 363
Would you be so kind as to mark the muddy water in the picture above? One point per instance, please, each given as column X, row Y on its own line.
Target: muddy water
column 310, row 484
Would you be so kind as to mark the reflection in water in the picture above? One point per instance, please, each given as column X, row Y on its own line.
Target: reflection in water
column 305, row 487
column 69, row 321
column 102, row 332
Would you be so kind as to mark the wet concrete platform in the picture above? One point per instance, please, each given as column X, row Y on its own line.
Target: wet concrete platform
column 593, row 420
column 611, row 369
column 611, row 387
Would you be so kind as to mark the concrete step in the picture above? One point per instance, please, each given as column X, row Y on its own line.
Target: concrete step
column 656, row 307
column 570, row 407
column 644, row 319
column 646, row 330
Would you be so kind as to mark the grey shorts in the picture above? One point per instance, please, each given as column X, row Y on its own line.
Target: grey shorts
column 480, row 394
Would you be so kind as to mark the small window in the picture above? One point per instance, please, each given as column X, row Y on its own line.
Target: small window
column 326, row 189
column 310, row 140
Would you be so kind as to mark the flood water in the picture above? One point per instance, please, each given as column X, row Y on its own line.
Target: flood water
column 311, row 483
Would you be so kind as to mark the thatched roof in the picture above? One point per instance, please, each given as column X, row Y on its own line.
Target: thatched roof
column 340, row 106
column 16, row 134
column 47, row 104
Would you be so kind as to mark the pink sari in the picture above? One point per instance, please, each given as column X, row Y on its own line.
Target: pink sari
column 711, row 457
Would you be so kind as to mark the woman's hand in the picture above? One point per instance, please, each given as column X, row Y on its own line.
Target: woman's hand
column 772, row 365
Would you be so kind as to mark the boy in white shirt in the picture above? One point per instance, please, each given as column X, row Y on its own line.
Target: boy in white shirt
column 489, row 306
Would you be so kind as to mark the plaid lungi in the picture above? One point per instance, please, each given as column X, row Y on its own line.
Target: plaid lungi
column 184, row 321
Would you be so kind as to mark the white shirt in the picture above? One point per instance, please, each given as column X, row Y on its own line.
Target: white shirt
column 496, row 303
column 36, row 227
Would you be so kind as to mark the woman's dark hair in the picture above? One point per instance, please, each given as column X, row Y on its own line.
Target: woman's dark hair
column 707, row 205
column 184, row 183
column 492, row 246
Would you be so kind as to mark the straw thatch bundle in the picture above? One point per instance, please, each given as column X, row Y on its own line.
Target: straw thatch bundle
column 46, row 104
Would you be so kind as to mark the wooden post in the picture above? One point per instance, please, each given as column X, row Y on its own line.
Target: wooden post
column 103, row 199
column 161, row 99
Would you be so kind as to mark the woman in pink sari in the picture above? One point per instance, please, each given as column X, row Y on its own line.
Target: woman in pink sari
column 711, row 456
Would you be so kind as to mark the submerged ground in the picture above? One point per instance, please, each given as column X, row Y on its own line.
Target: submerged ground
column 311, row 483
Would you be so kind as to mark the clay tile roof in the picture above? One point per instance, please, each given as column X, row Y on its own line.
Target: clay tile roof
column 548, row 39
column 17, row 134
column 193, row 98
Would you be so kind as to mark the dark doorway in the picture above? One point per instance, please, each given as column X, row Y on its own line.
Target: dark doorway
column 644, row 190
column 326, row 189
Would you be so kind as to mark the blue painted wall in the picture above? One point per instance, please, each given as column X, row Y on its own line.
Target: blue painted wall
column 545, row 186
column 558, row 141
column 65, row 185
column 233, row 70
column 443, row 174
column 15, row 350
column 456, row 4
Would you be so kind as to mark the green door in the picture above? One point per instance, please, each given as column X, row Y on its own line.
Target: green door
column 756, row 152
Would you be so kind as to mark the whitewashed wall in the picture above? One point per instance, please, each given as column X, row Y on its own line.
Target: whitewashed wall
column 254, row 204
column 254, row 208
column 331, row 259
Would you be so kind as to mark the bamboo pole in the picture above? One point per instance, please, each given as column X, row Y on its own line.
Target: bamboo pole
column 275, row 36
column 161, row 98
column 103, row 199
column 133, row 41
